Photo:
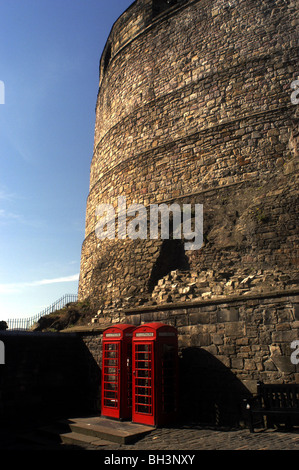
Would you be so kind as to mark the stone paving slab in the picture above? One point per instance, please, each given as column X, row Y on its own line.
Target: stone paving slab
column 121, row 432
column 75, row 438
column 196, row 438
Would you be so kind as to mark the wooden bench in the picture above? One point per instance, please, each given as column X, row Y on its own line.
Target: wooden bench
column 279, row 403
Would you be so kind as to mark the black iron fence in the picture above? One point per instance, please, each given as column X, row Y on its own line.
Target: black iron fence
column 27, row 323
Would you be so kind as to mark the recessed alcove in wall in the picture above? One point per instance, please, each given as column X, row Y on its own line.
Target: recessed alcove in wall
column 172, row 256
column 107, row 57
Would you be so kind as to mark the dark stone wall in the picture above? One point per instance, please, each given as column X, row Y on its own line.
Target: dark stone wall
column 46, row 376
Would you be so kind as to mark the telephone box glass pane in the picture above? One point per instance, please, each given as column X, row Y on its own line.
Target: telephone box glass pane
column 110, row 375
column 143, row 382
column 129, row 375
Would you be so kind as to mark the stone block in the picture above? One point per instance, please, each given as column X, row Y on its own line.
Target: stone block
column 235, row 329
column 217, row 339
column 284, row 336
column 284, row 364
column 202, row 339
column 237, row 363
column 199, row 318
column 224, row 360
column 250, row 364
column 296, row 312
column 228, row 315
column 180, row 320
column 184, row 341
column 212, row 349
column 269, row 365
column 133, row 320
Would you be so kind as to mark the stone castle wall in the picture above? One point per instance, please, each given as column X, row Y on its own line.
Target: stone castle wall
column 194, row 107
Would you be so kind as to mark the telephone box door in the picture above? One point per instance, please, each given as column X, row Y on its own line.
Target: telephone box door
column 117, row 372
column 111, row 380
column 155, row 374
column 143, row 383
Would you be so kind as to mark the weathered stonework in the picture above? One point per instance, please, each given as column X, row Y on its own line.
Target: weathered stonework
column 194, row 107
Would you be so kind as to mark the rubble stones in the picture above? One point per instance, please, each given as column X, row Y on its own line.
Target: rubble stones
column 198, row 285
column 183, row 286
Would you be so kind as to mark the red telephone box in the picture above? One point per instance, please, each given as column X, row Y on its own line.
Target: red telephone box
column 117, row 372
column 155, row 374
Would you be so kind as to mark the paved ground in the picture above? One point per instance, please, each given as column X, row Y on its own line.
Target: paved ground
column 186, row 438
column 197, row 438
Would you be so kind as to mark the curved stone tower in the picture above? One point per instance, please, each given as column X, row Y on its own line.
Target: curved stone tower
column 194, row 106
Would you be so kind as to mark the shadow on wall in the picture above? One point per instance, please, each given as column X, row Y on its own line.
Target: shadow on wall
column 209, row 392
column 172, row 256
column 46, row 377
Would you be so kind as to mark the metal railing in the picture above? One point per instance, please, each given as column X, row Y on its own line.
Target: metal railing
column 27, row 323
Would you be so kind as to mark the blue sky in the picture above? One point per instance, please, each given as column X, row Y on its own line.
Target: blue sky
column 49, row 61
